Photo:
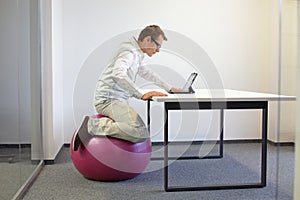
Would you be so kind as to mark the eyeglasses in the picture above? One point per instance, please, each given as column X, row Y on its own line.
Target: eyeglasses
column 156, row 43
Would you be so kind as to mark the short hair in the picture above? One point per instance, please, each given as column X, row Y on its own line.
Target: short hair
column 152, row 30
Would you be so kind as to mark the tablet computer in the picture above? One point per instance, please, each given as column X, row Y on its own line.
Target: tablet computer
column 187, row 87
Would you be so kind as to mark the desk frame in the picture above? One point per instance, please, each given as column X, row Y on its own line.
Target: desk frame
column 215, row 105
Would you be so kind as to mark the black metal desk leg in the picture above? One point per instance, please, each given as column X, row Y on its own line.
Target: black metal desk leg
column 166, row 154
column 264, row 144
column 263, row 105
column 148, row 116
column 221, row 132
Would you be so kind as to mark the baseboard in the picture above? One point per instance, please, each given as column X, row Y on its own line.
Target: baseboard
column 15, row 146
column 67, row 145
column 281, row 143
column 198, row 142
column 226, row 142
column 49, row 162
column 52, row 161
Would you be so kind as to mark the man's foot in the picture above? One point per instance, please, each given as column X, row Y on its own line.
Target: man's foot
column 81, row 134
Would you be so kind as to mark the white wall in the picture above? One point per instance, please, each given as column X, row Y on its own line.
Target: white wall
column 233, row 37
column 51, row 59
column 79, row 29
column 297, row 148
column 15, row 72
column 240, row 37
column 288, row 75
column 297, row 133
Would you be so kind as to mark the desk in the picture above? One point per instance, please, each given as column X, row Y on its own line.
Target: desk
column 218, row 99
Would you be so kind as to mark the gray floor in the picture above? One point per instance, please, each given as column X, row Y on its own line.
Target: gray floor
column 241, row 163
column 15, row 168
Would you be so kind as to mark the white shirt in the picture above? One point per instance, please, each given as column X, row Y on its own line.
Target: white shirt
column 118, row 79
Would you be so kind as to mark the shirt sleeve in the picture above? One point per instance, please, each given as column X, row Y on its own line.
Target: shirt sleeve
column 121, row 66
column 149, row 75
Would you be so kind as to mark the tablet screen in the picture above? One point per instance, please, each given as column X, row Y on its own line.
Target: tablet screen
column 189, row 82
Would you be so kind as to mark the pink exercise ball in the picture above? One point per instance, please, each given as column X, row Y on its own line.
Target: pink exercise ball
column 111, row 159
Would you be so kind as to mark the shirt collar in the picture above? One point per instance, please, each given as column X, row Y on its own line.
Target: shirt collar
column 137, row 47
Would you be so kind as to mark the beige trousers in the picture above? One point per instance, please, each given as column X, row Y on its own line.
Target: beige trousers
column 123, row 122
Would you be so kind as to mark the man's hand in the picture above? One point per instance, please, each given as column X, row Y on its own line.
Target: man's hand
column 151, row 94
column 173, row 89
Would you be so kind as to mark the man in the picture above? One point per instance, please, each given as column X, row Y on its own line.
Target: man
column 117, row 84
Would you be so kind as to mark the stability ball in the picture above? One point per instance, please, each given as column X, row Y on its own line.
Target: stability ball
column 111, row 159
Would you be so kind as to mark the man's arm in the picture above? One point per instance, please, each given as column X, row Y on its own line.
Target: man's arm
column 122, row 64
column 149, row 75
column 121, row 78
column 151, row 94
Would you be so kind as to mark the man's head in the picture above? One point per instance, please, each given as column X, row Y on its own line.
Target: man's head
column 151, row 39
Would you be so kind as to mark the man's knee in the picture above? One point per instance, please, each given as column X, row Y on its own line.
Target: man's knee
column 139, row 135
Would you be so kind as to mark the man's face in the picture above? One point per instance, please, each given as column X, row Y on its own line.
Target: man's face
column 153, row 45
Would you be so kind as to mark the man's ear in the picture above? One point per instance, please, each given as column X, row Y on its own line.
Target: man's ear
column 147, row 38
